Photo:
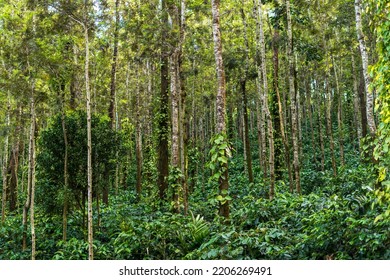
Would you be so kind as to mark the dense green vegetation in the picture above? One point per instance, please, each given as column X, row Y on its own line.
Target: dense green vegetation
column 191, row 129
column 334, row 218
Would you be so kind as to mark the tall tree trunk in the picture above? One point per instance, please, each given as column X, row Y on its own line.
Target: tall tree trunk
column 310, row 114
column 184, row 125
column 5, row 162
column 339, row 115
column 280, row 118
column 299, row 107
column 319, row 125
column 74, row 81
column 89, row 135
column 356, row 101
column 264, row 97
column 329, row 124
column 220, row 102
column 261, row 116
column 363, row 111
column 138, row 135
column 294, row 113
column 163, row 120
column 32, row 171
column 261, row 132
column 13, row 165
column 175, row 99
column 31, row 177
column 367, row 79
column 248, row 153
column 113, row 112
column 111, row 109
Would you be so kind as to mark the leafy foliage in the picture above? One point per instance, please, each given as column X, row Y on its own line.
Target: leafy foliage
column 50, row 159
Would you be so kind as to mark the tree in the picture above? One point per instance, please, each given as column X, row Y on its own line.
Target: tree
column 243, row 81
column 5, row 162
column 367, row 80
column 264, row 101
column 89, row 135
column 279, row 115
column 111, row 110
column 294, row 113
column 163, row 119
column 220, row 103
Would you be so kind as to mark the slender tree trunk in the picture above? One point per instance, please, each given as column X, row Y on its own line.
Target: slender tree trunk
column 177, row 16
column 339, row 115
column 261, row 134
column 248, row 153
column 89, row 135
column 220, row 101
column 138, row 135
column 261, row 125
column 363, row 111
column 32, row 168
column 14, row 164
column 264, row 97
column 163, row 120
column 280, row 108
column 29, row 204
column 367, row 79
column 356, row 101
column 310, row 114
column 299, row 107
column 175, row 98
column 319, row 125
column 294, row 113
column 329, row 125
column 5, row 162
column 278, row 141
column 184, row 125
column 111, row 109
column 74, row 82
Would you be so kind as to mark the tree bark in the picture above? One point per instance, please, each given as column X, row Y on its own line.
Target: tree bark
column 32, row 171
column 184, row 125
column 175, row 103
column 363, row 111
column 111, row 109
column 294, row 113
column 220, row 101
column 5, row 162
column 248, row 153
column 319, row 125
column 310, row 114
column 356, row 101
column 261, row 133
column 29, row 204
column 13, row 165
column 89, row 134
column 367, row 79
column 339, row 115
column 264, row 98
column 163, row 120
column 280, row 108
column 74, row 81
column 138, row 135
column 329, row 124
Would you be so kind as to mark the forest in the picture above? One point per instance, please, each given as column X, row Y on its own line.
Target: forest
column 195, row 129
